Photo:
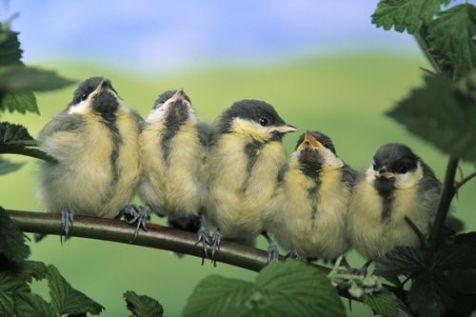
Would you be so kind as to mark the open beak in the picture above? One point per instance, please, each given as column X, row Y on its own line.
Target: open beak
column 310, row 142
column 283, row 129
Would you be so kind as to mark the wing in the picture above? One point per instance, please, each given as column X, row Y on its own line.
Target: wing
column 62, row 122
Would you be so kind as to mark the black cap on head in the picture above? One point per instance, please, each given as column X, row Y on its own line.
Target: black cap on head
column 255, row 110
column 321, row 137
column 395, row 158
column 86, row 87
column 166, row 95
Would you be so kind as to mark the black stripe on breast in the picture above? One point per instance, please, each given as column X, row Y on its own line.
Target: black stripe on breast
column 252, row 150
column 385, row 190
column 175, row 119
column 109, row 120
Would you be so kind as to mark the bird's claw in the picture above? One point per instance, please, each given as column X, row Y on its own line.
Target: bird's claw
column 216, row 238
column 67, row 219
column 292, row 254
column 204, row 239
column 138, row 216
column 273, row 252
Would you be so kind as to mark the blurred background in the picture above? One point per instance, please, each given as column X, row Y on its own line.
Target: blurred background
column 322, row 64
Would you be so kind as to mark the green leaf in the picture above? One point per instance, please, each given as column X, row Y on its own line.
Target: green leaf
column 400, row 261
column 452, row 36
column 22, row 102
column 384, row 303
column 11, row 285
column 7, row 166
column 142, row 305
column 430, row 296
column 443, row 114
column 11, row 133
column 32, row 305
column 19, row 78
column 68, row 300
column 12, row 241
column 405, row 14
column 10, row 52
column 292, row 288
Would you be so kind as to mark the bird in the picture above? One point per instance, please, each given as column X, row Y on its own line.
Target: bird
column 173, row 147
column 397, row 186
column 95, row 144
column 243, row 163
column 307, row 216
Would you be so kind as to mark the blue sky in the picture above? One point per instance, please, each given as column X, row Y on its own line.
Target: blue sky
column 150, row 35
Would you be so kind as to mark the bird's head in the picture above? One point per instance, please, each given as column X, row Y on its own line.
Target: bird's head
column 315, row 151
column 254, row 118
column 95, row 94
column 395, row 166
column 173, row 106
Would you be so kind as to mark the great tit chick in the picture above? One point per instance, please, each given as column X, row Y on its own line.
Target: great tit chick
column 173, row 146
column 243, row 165
column 397, row 184
column 95, row 144
column 308, row 214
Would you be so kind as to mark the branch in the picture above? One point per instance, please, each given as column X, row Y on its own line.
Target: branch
column 446, row 197
column 157, row 237
column 465, row 180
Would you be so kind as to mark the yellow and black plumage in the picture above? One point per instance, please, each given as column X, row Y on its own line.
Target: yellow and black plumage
column 308, row 214
column 95, row 143
column 173, row 147
column 242, row 170
column 398, row 184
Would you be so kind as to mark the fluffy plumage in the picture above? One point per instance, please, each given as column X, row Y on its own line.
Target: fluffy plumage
column 308, row 213
column 95, row 141
column 398, row 184
column 173, row 147
column 243, row 167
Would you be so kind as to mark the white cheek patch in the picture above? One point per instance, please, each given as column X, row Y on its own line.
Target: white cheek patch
column 370, row 174
column 330, row 159
column 79, row 108
column 158, row 114
column 409, row 179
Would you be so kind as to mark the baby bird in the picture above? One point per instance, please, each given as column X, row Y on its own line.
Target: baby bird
column 173, row 147
column 398, row 184
column 308, row 214
column 95, row 144
column 243, row 165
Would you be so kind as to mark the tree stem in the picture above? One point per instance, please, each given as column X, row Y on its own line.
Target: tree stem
column 444, row 204
column 465, row 180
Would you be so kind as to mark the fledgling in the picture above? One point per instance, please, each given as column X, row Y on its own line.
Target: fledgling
column 95, row 143
column 173, row 147
column 243, row 166
column 308, row 214
column 398, row 184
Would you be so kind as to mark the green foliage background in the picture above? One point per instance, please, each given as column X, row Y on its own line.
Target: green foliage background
column 344, row 96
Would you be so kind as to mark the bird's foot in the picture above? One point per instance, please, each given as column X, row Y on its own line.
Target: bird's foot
column 138, row 216
column 204, row 239
column 67, row 218
column 216, row 238
column 360, row 271
column 273, row 252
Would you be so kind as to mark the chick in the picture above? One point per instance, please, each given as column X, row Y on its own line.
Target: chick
column 398, row 184
column 95, row 144
column 243, row 165
column 308, row 214
column 173, row 147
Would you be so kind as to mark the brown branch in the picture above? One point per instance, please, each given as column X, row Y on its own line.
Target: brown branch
column 157, row 236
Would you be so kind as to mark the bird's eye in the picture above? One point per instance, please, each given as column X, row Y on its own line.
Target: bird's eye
column 374, row 166
column 83, row 97
column 263, row 121
column 401, row 169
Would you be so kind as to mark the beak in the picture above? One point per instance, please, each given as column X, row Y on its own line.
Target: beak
column 179, row 95
column 383, row 172
column 309, row 141
column 283, row 129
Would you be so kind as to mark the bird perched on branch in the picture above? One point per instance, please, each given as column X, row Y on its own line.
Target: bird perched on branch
column 243, row 165
column 95, row 144
column 173, row 147
column 308, row 214
column 397, row 185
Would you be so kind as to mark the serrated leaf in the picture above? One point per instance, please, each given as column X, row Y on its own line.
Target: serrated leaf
column 11, row 133
column 19, row 78
column 442, row 115
column 292, row 288
column 400, row 261
column 21, row 102
column 10, row 52
column 11, row 285
column 430, row 296
column 12, row 241
column 385, row 304
column 32, row 305
column 66, row 299
column 454, row 256
column 142, row 305
column 452, row 36
column 7, row 166
column 405, row 14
